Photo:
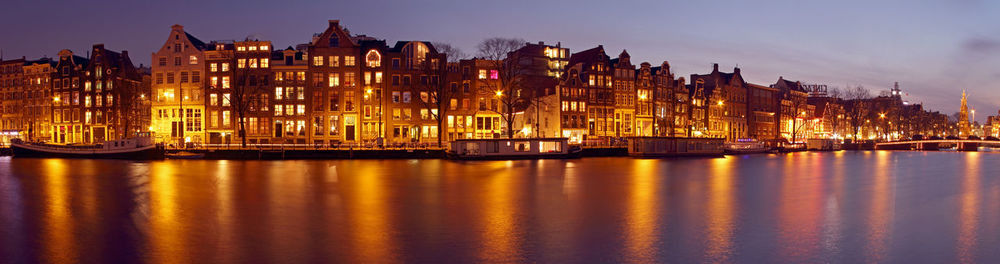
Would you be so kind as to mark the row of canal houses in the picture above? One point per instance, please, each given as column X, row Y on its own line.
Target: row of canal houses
column 341, row 88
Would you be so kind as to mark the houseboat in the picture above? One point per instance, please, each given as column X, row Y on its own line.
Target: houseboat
column 141, row 148
column 653, row 147
column 519, row 148
column 746, row 147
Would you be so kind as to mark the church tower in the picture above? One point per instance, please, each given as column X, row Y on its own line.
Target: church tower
column 964, row 129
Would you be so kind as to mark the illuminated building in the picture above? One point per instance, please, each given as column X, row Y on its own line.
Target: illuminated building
column 722, row 98
column 12, row 85
column 178, row 74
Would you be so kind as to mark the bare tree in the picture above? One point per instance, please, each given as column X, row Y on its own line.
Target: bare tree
column 454, row 53
column 499, row 53
column 857, row 107
column 250, row 81
column 799, row 113
column 432, row 84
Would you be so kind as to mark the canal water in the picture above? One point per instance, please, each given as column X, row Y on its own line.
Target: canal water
column 852, row 207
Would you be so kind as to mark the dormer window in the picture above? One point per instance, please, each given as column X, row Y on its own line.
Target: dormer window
column 334, row 41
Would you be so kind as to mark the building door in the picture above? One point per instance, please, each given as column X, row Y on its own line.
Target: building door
column 278, row 129
column 349, row 123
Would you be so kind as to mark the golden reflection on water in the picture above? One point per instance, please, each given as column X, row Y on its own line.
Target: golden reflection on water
column 882, row 208
column 59, row 232
column 368, row 218
column 800, row 207
column 224, row 213
column 721, row 211
column 500, row 232
column 166, row 233
column 969, row 210
column 642, row 212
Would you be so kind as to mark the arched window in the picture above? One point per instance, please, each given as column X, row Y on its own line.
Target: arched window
column 373, row 59
column 414, row 54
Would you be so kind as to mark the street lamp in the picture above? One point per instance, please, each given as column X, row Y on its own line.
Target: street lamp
column 499, row 93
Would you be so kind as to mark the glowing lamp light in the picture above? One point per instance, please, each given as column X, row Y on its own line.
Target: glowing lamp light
column 55, row 99
column 721, row 103
column 499, row 93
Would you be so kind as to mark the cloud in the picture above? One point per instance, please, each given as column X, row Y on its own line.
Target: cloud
column 981, row 45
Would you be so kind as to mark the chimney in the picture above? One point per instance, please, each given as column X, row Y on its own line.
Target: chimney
column 177, row 27
column 334, row 23
column 541, row 43
column 715, row 67
column 736, row 70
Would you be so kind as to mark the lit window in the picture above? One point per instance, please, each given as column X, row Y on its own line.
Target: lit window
column 213, row 67
column 278, row 110
column 300, row 109
column 241, row 48
column 334, row 61
column 225, row 82
column 482, row 74
column 225, row 99
column 334, row 79
column 253, row 48
column 253, row 63
column 193, row 60
column 494, row 74
column 225, row 66
column 264, row 62
column 241, row 63
column 348, row 60
column 264, row 47
column 318, row 61
column 214, row 99
column 278, row 93
column 373, row 59
column 378, row 77
column 215, row 82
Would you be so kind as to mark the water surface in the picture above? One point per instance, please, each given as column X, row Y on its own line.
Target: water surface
column 797, row 208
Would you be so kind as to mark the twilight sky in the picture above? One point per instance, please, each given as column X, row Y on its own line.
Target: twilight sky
column 933, row 48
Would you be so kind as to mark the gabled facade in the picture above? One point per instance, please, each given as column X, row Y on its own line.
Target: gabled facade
column 722, row 97
column 37, row 98
column 625, row 96
column 588, row 98
column 178, row 85
column 67, row 83
column 672, row 103
column 794, row 112
column 334, row 68
column 112, row 94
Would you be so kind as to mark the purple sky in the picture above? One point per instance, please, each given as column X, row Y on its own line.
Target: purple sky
column 933, row 48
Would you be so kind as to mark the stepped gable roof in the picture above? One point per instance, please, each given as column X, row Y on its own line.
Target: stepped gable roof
column 592, row 54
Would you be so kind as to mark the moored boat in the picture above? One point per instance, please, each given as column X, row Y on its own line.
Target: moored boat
column 141, row 148
column 746, row 147
column 184, row 155
column 519, row 148
column 654, row 147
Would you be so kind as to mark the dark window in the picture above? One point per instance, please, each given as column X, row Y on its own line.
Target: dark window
column 334, row 41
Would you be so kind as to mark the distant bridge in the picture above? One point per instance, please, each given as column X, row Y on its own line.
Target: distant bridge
column 937, row 144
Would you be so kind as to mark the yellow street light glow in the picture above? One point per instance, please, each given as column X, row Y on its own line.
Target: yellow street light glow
column 720, row 102
column 55, row 99
column 499, row 93
column 369, row 90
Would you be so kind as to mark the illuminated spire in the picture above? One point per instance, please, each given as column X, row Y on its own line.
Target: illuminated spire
column 964, row 128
